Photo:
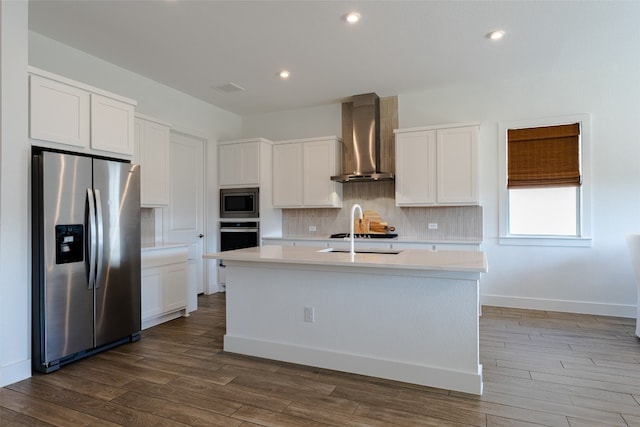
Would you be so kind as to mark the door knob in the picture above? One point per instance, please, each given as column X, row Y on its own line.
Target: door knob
column 201, row 235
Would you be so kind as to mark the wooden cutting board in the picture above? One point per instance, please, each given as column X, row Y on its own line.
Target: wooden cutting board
column 361, row 226
column 373, row 216
column 376, row 225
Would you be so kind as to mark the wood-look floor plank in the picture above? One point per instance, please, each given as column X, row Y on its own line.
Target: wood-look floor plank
column 185, row 397
column 271, row 402
column 551, row 391
column 389, row 416
column 179, row 412
column 631, row 420
column 83, row 385
column 540, row 368
column 321, row 414
column 48, row 410
column 273, row 419
column 104, row 411
column 587, row 413
column 141, row 371
column 493, row 421
column 272, row 381
column 17, row 419
column 87, row 371
column 435, row 406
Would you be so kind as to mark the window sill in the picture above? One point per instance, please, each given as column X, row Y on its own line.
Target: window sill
column 576, row 242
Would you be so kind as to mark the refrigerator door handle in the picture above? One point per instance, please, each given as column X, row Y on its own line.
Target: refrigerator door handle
column 92, row 238
column 100, row 227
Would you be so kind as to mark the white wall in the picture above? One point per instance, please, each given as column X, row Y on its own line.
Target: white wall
column 15, row 285
column 594, row 280
column 324, row 120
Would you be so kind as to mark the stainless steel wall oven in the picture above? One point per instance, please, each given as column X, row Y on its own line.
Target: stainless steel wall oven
column 236, row 235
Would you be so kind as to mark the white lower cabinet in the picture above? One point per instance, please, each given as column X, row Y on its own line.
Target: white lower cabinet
column 379, row 244
column 164, row 284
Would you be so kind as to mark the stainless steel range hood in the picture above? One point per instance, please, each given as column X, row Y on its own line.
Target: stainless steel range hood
column 361, row 160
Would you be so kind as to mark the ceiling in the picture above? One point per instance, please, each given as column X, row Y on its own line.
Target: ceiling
column 397, row 47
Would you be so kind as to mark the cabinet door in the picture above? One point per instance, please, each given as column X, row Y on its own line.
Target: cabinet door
column 239, row 164
column 111, row 125
column 415, row 168
column 457, row 176
column 152, row 298
column 287, row 175
column 319, row 166
column 175, row 287
column 228, row 164
column 250, row 163
column 58, row 112
column 152, row 140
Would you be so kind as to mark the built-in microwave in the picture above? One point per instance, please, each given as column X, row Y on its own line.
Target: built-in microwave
column 239, row 203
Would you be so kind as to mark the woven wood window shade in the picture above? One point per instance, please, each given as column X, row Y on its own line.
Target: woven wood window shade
column 544, row 156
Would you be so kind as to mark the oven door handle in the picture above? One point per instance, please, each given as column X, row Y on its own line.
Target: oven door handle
column 238, row 230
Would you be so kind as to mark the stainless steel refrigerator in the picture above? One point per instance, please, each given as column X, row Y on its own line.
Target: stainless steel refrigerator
column 86, row 256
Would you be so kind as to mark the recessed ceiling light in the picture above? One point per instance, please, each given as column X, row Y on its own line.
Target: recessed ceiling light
column 284, row 74
column 495, row 35
column 352, row 17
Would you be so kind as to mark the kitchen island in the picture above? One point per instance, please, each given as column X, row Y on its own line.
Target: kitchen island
column 409, row 315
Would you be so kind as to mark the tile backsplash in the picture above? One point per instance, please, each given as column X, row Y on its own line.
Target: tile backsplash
column 147, row 226
column 458, row 223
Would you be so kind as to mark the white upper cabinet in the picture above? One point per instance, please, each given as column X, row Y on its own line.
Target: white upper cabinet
column 239, row 163
column 287, row 175
column 437, row 166
column 58, row 112
column 415, row 168
column 152, row 153
column 321, row 162
column 111, row 125
column 63, row 111
column 457, row 165
column 302, row 171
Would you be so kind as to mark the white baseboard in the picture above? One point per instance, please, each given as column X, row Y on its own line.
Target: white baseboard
column 16, row 372
column 582, row 307
column 154, row 321
column 467, row 382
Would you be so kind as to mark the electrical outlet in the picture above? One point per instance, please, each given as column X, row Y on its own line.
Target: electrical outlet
column 433, row 226
column 312, row 228
column 309, row 314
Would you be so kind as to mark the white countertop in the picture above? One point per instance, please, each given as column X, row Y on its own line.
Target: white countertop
column 161, row 245
column 327, row 238
column 410, row 259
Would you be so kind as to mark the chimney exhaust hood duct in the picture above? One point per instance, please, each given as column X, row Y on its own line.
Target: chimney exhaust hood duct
column 361, row 160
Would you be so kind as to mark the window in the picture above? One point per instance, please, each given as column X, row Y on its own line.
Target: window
column 544, row 181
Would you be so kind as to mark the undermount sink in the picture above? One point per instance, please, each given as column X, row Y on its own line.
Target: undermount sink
column 362, row 251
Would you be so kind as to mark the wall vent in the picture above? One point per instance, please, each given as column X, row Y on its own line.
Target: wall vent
column 229, row 88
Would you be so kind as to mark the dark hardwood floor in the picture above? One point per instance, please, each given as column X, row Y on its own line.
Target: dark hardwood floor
column 540, row 368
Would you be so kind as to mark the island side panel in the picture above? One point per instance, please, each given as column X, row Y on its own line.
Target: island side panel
column 411, row 328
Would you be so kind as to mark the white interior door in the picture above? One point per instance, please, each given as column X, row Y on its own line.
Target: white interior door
column 186, row 206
